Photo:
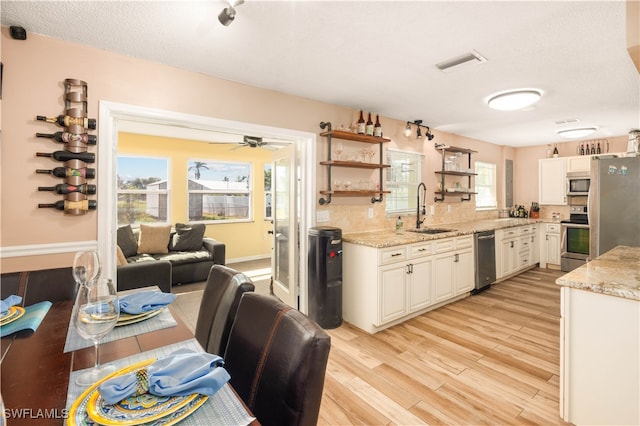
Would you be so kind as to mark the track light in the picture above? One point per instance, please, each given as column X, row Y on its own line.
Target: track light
column 228, row 14
column 407, row 130
column 418, row 124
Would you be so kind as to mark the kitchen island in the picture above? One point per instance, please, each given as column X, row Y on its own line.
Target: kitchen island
column 389, row 278
column 600, row 340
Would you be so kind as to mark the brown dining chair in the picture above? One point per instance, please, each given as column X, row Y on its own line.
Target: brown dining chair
column 50, row 284
column 218, row 307
column 277, row 358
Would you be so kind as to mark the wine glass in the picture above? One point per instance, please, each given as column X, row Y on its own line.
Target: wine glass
column 86, row 266
column 94, row 315
column 338, row 151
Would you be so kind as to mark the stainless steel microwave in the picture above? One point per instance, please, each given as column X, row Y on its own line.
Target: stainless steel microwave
column 578, row 183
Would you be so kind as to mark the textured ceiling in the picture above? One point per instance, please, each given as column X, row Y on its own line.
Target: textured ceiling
column 381, row 56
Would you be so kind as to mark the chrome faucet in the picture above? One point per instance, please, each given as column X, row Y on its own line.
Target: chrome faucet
column 424, row 210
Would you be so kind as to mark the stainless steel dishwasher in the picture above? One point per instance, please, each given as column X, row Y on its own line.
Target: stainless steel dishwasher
column 485, row 251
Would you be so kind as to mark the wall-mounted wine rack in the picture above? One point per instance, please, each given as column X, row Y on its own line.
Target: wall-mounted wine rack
column 75, row 156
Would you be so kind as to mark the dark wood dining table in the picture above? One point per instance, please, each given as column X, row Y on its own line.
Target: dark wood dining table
column 35, row 371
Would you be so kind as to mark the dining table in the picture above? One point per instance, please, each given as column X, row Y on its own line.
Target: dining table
column 36, row 381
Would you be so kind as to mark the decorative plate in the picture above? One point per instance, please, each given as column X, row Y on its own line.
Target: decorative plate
column 12, row 314
column 126, row 319
column 90, row 409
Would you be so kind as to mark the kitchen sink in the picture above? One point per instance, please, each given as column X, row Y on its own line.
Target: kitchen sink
column 430, row 230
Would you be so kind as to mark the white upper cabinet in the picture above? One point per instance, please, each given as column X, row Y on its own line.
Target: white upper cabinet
column 552, row 181
column 581, row 163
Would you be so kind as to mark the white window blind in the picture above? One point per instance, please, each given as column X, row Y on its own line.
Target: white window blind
column 403, row 178
column 486, row 198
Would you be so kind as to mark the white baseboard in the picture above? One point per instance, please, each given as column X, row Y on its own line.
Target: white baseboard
column 247, row 259
column 45, row 249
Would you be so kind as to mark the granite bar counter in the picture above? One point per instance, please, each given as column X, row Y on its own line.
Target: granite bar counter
column 616, row 273
column 389, row 238
column 600, row 340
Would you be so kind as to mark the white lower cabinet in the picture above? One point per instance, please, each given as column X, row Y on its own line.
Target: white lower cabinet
column 443, row 277
column 392, row 291
column 506, row 251
column 407, row 281
column 465, row 277
column 516, row 249
column 535, row 245
column 420, row 284
column 552, row 244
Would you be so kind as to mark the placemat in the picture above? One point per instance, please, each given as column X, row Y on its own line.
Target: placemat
column 33, row 316
column 163, row 320
column 223, row 408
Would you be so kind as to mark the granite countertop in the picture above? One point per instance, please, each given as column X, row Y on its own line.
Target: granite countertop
column 616, row 273
column 389, row 238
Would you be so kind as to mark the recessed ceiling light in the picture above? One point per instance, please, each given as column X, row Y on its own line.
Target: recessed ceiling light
column 514, row 100
column 576, row 133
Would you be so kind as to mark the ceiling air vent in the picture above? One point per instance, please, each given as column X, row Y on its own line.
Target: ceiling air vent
column 567, row 121
column 472, row 57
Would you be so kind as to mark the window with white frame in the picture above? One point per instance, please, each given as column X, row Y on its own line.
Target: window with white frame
column 267, row 191
column 143, row 190
column 219, row 191
column 486, row 197
column 403, row 178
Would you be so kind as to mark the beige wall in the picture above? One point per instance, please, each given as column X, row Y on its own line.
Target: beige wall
column 181, row 152
column 526, row 184
column 33, row 74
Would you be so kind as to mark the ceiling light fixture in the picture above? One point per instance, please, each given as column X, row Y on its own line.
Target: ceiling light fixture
column 418, row 124
column 576, row 133
column 228, row 14
column 514, row 100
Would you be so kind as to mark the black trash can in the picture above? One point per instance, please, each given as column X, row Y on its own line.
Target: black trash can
column 325, row 276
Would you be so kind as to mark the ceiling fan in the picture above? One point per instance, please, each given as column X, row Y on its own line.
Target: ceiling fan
column 255, row 142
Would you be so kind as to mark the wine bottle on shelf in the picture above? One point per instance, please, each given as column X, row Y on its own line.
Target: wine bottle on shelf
column 581, row 149
column 87, row 157
column 369, row 126
column 66, row 137
column 63, row 172
column 70, row 205
column 377, row 128
column 361, row 124
column 65, row 120
column 593, row 148
column 65, row 188
column 598, row 150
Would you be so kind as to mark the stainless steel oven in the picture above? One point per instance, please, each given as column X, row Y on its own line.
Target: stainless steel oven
column 575, row 239
column 578, row 183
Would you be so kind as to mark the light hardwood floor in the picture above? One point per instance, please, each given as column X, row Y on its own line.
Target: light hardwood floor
column 492, row 358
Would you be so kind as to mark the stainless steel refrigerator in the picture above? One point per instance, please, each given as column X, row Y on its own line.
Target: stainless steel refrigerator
column 614, row 204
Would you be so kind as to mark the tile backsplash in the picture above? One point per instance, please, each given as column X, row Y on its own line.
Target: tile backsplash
column 355, row 217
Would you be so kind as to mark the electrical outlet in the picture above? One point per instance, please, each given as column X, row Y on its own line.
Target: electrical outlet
column 322, row 216
column 448, row 208
column 370, row 213
column 432, row 210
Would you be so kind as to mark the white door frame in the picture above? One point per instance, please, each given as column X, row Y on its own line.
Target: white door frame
column 114, row 117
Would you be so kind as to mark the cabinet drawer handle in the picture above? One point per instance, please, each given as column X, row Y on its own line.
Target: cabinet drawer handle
column 396, row 254
column 422, row 249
